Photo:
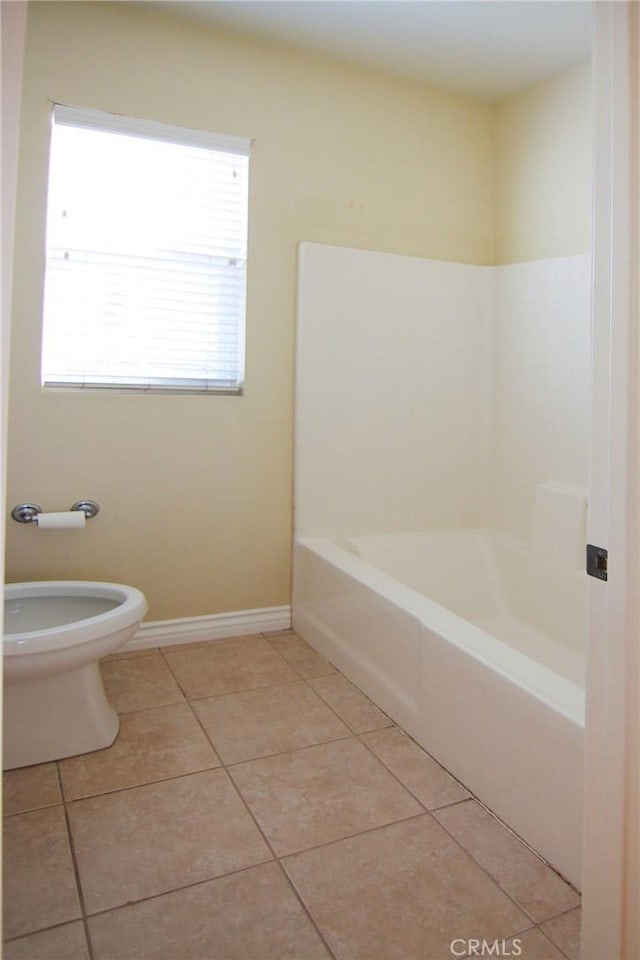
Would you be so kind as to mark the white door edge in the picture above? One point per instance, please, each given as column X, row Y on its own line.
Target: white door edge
column 610, row 892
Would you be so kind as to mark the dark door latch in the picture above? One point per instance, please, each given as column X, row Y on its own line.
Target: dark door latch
column 597, row 560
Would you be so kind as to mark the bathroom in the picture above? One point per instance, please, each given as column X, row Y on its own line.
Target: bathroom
column 205, row 484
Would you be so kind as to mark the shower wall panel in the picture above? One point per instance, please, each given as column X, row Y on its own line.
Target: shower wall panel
column 393, row 392
column 541, row 386
column 435, row 395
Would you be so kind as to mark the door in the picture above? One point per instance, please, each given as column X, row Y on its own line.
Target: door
column 610, row 887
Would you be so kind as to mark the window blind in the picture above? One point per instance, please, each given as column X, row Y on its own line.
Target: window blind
column 146, row 256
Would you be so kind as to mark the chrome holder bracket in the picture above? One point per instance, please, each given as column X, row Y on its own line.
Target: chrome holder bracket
column 26, row 512
column 89, row 507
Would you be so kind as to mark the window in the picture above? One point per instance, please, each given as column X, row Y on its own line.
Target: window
column 146, row 256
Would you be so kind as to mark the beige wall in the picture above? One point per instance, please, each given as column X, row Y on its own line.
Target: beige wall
column 543, row 169
column 196, row 491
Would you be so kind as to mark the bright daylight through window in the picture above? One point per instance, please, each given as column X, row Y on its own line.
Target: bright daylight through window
column 146, row 256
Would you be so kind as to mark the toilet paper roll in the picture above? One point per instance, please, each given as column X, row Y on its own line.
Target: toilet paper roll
column 63, row 520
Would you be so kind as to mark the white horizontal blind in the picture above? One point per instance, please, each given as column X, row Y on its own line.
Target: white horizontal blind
column 146, row 256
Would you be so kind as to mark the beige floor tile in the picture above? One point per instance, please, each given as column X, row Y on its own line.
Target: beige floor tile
column 534, row 885
column 30, row 788
column 531, row 945
column 403, row 892
column 350, row 705
column 321, row 793
column 152, row 839
column 228, row 666
column 67, row 942
column 139, row 683
column 425, row 778
column 565, row 932
column 39, row 887
column 299, row 655
column 269, row 720
column 124, row 654
column 151, row 745
column 251, row 915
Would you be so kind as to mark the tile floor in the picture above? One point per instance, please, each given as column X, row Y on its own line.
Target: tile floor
column 256, row 805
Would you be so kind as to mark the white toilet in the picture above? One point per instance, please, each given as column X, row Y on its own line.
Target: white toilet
column 55, row 634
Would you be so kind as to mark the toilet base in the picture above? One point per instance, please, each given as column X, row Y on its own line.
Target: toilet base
column 56, row 716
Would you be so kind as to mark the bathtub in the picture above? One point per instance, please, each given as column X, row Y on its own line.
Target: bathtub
column 474, row 645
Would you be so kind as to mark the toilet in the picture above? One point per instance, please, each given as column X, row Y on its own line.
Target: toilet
column 55, row 705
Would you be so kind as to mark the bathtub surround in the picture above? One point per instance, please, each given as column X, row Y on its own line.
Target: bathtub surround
column 433, row 395
column 441, row 513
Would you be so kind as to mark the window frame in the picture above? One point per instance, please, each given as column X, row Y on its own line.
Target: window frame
column 91, row 119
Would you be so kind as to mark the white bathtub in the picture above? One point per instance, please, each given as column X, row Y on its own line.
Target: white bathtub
column 474, row 646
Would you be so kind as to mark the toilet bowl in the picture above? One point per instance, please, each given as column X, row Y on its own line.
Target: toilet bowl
column 55, row 634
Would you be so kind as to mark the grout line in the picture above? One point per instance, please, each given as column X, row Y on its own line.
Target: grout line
column 389, row 770
column 234, row 763
column 201, row 883
column 454, row 803
column 275, row 856
column 195, row 644
column 442, row 767
column 528, row 846
column 234, row 693
column 493, row 878
column 562, row 913
column 146, row 652
column 282, row 753
column 185, row 886
column 327, row 703
column 19, row 813
column 392, row 726
column 305, row 908
column 548, row 935
column 353, row 836
column 314, row 653
column 146, row 783
column 53, row 926
column 210, row 696
column 156, row 706
column 551, row 941
column 76, row 868
column 364, row 696
column 110, row 791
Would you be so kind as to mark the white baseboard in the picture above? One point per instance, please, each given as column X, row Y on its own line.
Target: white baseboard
column 216, row 626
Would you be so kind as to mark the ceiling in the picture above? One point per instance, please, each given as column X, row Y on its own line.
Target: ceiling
column 487, row 49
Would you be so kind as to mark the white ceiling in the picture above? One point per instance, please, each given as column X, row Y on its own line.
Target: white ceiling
column 482, row 48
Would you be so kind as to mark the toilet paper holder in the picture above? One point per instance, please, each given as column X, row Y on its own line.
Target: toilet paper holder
column 28, row 512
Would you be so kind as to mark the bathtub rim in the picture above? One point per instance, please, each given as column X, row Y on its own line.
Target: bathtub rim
column 533, row 678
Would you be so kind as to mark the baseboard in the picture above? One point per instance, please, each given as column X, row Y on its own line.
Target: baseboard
column 216, row 626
